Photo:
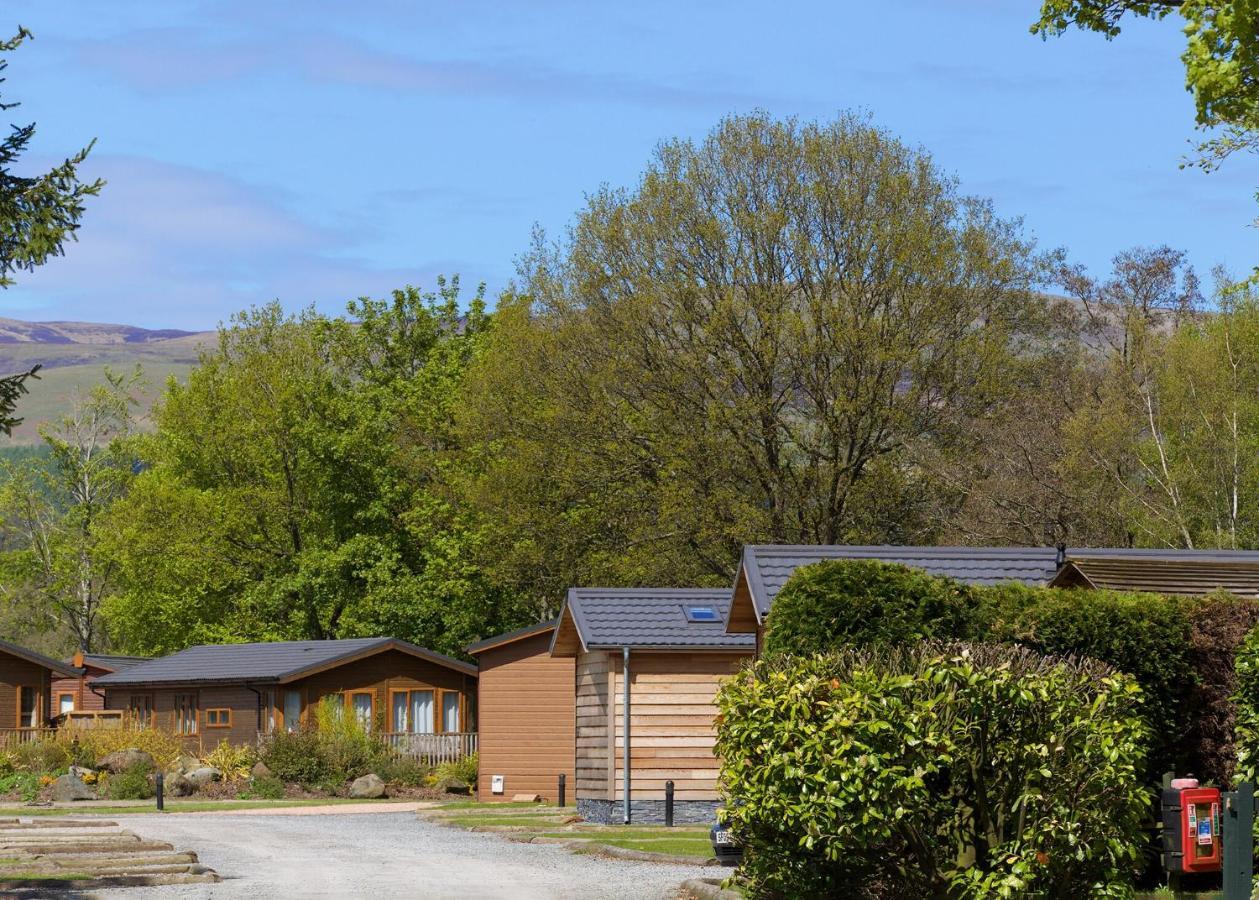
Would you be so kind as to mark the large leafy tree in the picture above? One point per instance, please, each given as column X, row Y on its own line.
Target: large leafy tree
column 38, row 214
column 294, row 486
column 746, row 346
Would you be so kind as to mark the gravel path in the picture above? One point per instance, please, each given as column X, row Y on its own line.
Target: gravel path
column 386, row 855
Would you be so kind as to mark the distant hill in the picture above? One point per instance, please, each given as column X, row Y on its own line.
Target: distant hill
column 74, row 355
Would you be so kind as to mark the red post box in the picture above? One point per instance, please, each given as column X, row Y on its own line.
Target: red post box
column 1191, row 827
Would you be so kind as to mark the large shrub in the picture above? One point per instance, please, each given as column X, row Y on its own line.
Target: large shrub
column 1219, row 625
column 934, row 771
column 835, row 604
column 1148, row 636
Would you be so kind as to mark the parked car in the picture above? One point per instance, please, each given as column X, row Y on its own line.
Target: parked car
column 726, row 846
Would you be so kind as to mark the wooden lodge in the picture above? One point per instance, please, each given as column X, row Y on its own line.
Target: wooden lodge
column 647, row 666
column 423, row 703
column 526, row 704
column 26, row 680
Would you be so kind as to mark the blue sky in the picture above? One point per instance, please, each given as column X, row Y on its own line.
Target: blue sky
column 321, row 150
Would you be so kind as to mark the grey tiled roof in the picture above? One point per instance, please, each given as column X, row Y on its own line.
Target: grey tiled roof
column 274, row 661
column 113, row 663
column 768, row 566
column 653, row 618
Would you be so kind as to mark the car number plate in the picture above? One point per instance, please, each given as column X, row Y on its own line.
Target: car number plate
column 722, row 837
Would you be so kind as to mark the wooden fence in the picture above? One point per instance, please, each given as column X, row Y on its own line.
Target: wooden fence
column 11, row 737
column 432, row 748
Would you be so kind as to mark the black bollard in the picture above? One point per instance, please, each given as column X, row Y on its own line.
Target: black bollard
column 668, row 804
column 161, row 783
column 563, row 780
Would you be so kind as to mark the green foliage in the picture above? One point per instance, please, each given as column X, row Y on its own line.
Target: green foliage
column 135, row 783
column 296, row 488
column 464, row 770
column 268, row 787
column 335, row 751
column 295, row 757
column 233, row 760
column 25, row 784
column 1247, row 699
column 934, row 771
column 1147, row 636
column 695, row 367
column 836, row 604
column 50, row 508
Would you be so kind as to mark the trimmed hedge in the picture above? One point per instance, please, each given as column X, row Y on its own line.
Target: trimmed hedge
column 855, row 603
column 934, row 771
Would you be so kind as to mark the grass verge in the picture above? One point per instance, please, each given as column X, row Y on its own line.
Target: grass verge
column 683, row 840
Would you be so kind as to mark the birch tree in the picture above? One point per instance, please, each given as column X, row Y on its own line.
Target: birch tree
column 51, row 510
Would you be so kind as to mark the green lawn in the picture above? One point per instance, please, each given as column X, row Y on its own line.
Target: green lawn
column 541, row 821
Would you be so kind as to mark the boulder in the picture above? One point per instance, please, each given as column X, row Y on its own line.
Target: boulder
column 81, row 771
column 203, row 776
column 178, row 785
column 186, row 763
column 122, row 760
column 454, row 786
column 369, row 787
column 71, row 787
column 260, row 770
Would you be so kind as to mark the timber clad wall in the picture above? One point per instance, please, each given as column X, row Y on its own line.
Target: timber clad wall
column 527, row 719
column 671, row 723
column 592, row 714
column 85, row 699
column 15, row 673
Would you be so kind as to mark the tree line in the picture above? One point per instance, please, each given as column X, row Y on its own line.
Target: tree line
column 786, row 332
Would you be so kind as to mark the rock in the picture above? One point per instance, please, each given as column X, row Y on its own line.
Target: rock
column 71, row 787
column 369, row 787
column 81, row 771
column 260, row 770
column 455, row 786
column 186, row 763
column 178, row 785
column 122, row 760
column 203, row 776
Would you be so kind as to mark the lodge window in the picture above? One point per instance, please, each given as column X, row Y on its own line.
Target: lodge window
column 450, row 711
column 413, row 712
column 185, row 713
column 27, row 707
column 292, row 710
column 218, row 718
column 65, row 704
column 141, row 708
column 360, row 703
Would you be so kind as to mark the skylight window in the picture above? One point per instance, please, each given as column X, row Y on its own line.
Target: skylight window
column 702, row 614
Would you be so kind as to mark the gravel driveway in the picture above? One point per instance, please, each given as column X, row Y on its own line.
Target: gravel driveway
column 386, row 855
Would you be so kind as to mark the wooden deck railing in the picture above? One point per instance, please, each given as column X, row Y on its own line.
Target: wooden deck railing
column 433, row 748
column 11, row 737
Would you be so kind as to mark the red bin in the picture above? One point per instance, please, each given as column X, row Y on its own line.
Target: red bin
column 1191, row 828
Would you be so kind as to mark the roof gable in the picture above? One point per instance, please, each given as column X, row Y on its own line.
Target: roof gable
column 645, row 618
column 510, row 637
column 38, row 659
column 1186, row 577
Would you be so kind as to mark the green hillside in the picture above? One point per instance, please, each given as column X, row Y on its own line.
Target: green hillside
column 74, row 355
